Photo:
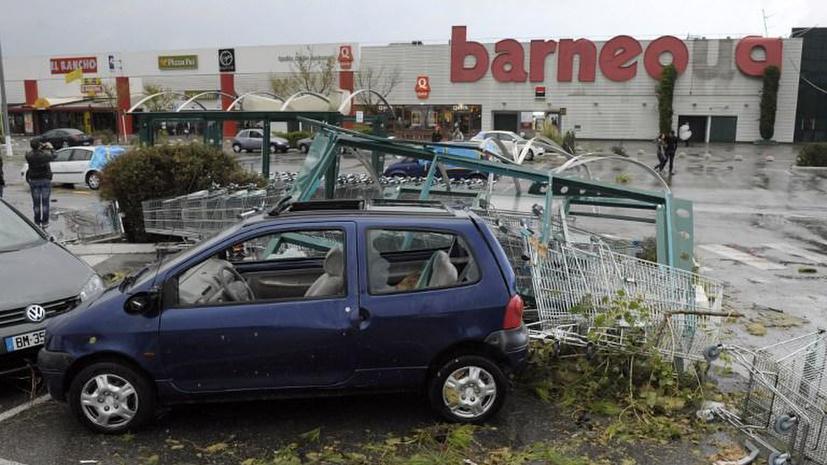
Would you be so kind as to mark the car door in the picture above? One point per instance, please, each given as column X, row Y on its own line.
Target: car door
column 77, row 166
column 267, row 342
column 255, row 139
column 405, row 319
column 60, row 166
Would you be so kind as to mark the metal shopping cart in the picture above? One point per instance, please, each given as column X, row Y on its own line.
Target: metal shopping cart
column 592, row 297
column 785, row 408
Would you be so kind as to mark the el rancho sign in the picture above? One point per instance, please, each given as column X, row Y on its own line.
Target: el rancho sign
column 617, row 59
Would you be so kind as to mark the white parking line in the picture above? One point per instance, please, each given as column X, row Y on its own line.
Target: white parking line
column 737, row 255
column 792, row 250
column 9, row 462
column 22, row 408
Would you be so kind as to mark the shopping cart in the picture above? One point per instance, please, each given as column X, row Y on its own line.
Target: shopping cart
column 784, row 407
column 590, row 296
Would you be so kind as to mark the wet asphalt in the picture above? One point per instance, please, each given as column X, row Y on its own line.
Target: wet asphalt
column 747, row 198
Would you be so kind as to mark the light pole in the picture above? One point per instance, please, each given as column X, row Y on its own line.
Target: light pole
column 4, row 107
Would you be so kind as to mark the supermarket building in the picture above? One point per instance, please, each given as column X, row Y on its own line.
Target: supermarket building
column 600, row 90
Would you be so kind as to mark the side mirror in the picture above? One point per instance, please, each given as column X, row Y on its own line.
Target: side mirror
column 141, row 303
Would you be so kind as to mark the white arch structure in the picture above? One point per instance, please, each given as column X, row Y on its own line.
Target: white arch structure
column 166, row 92
column 258, row 93
column 197, row 96
column 350, row 97
column 301, row 93
column 586, row 158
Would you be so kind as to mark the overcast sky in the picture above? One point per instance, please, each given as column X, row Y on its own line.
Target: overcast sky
column 53, row 27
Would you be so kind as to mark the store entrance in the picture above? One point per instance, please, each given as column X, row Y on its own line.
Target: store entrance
column 506, row 121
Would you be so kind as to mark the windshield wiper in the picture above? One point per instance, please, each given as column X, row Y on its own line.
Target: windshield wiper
column 131, row 278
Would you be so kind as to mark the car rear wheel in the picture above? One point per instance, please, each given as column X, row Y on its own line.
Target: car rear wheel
column 304, row 148
column 93, row 180
column 111, row 398
column 237, row 148
column 467, row 389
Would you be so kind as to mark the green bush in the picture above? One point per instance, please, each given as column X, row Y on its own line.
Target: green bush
column 769, row 98
column 812, row 155
column 145, row 173
column 665, row 90
column 293, row 137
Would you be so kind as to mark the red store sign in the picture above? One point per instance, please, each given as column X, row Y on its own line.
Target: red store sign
column 345, row 57
column 67, row 65
column 422, row 87
column 618, row 58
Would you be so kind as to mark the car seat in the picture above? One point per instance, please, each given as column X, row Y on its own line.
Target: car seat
column 332, row 282
column 378, row 269
column 438, row 272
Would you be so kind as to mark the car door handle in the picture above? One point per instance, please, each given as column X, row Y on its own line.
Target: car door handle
column 364, row 318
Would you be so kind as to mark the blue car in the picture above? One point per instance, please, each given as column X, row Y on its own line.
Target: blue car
column 413, row 167
column 320, row 298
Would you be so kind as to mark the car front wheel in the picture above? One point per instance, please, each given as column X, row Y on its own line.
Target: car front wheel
column 468, row 389
column 237, row 148
column 93, row 180
column 111, row 398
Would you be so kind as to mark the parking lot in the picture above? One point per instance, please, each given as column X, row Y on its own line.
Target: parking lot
column 760, row 225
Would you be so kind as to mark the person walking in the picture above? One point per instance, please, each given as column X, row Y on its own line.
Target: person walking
column 661, row 151
column 39, row 176
column 685, row 133
column 2, row 181
column 436, row 136
column 671, row 148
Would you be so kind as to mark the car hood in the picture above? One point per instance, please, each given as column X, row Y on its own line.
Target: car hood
column 278, row 139
column 38, row 274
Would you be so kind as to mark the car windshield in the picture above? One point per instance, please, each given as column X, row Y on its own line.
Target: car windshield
column 72, row 132
column 16, row 233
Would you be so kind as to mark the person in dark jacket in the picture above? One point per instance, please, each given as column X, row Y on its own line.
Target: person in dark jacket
column 671, row 148
column 39, row 176
column 2, row 181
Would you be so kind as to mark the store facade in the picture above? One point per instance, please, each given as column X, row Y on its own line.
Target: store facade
column 599, row 89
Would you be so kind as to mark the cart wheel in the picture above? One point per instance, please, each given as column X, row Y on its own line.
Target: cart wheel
column 712, row 353
column 784, row 423
column 777, row 458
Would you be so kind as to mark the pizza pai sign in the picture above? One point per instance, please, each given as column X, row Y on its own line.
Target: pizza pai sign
column 67, row 65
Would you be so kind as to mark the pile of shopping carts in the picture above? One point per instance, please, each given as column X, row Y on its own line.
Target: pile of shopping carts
column 785, row 407
column 99, row 222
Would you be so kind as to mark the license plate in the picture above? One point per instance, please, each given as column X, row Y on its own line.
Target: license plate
column 23, row 341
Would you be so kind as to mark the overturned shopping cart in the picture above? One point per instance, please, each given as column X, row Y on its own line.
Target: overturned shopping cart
column 785, row 408
column 592, row 297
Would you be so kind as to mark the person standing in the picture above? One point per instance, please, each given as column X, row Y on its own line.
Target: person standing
column 2, row 181
column 661, row 151
column 436, row 136
column 671, row 148
column 685, row 133
column 39, row 176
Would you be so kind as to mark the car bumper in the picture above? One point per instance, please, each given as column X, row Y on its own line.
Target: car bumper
column 53, row 367
column 512, row 343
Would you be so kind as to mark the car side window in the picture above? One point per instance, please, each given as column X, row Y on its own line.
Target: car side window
column 414, row 260
column 63, row 155
column 81, row 155
column 256, row 135
column 301, row 264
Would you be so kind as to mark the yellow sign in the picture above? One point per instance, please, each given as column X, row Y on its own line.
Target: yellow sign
column 172, row 62
column 41, row 104
column 73, row 76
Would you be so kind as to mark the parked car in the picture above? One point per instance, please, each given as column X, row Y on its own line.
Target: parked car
column 320, row 298
column 304, row 144
column 39, row 280
column 511, row 141
column 414, row 167
column 251, row 139
column 80, row 165
column 65, row 137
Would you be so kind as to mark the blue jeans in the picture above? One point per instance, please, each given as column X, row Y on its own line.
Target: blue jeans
column 41, row 191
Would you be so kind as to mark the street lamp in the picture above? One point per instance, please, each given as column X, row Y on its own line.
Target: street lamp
column 4, row 107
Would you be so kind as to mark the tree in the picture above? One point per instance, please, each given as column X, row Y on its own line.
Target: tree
column 769, row 98
column 380, row 80
column 665, row 91
column 160, row 103
column 309, row 72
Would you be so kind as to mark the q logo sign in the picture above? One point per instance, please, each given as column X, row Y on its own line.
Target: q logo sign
column 345, row 57
column 422, row 87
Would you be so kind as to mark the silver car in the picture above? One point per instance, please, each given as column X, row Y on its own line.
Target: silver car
column 248, row 140
column 39, row 279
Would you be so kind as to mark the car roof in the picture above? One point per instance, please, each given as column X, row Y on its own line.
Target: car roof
column 354, row 209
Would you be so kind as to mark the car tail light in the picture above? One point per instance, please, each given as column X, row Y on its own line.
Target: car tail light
column 513, row 313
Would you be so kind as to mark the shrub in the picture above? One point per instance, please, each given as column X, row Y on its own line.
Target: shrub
column 665, row 90
column 812, row 155
column 769, row 97
column 293, row 137
column 164, row 171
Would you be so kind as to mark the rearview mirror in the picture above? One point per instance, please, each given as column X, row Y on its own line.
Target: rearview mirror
column 141, row 303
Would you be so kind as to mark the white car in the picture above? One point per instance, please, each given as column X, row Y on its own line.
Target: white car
column 80, row 165
column 512, row 141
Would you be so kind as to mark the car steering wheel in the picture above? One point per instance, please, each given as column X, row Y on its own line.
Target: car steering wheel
column 231, row 297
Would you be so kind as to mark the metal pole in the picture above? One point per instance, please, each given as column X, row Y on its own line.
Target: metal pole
column 4, row 106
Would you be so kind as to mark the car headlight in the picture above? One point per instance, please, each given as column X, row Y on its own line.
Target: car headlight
column 92, row 289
